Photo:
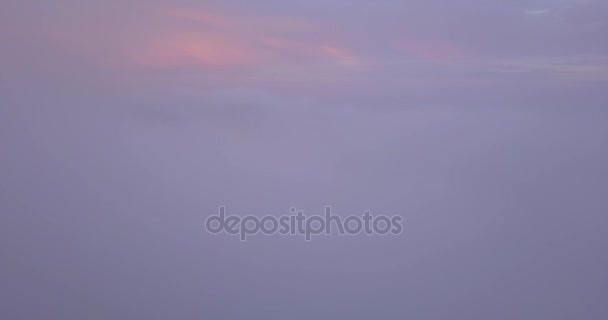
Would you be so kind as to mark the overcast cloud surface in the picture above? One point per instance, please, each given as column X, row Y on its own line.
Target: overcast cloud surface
column 125, row 124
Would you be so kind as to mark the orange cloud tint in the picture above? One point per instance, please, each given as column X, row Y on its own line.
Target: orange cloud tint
column 205, row 38
column 195, row 49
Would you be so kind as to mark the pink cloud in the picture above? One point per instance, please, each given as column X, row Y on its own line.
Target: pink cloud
column 222, row 40
column 182, row 48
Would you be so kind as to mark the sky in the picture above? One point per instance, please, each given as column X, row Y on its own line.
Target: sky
column 125, row 124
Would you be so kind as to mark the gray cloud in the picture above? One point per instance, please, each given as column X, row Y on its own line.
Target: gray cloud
column 484, row 129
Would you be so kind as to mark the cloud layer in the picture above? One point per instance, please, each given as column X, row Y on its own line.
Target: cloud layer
column 124, row 124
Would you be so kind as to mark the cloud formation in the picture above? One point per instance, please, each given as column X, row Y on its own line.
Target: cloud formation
column 124, row 124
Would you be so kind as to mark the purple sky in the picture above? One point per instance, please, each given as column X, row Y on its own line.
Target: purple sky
column 124, row 124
